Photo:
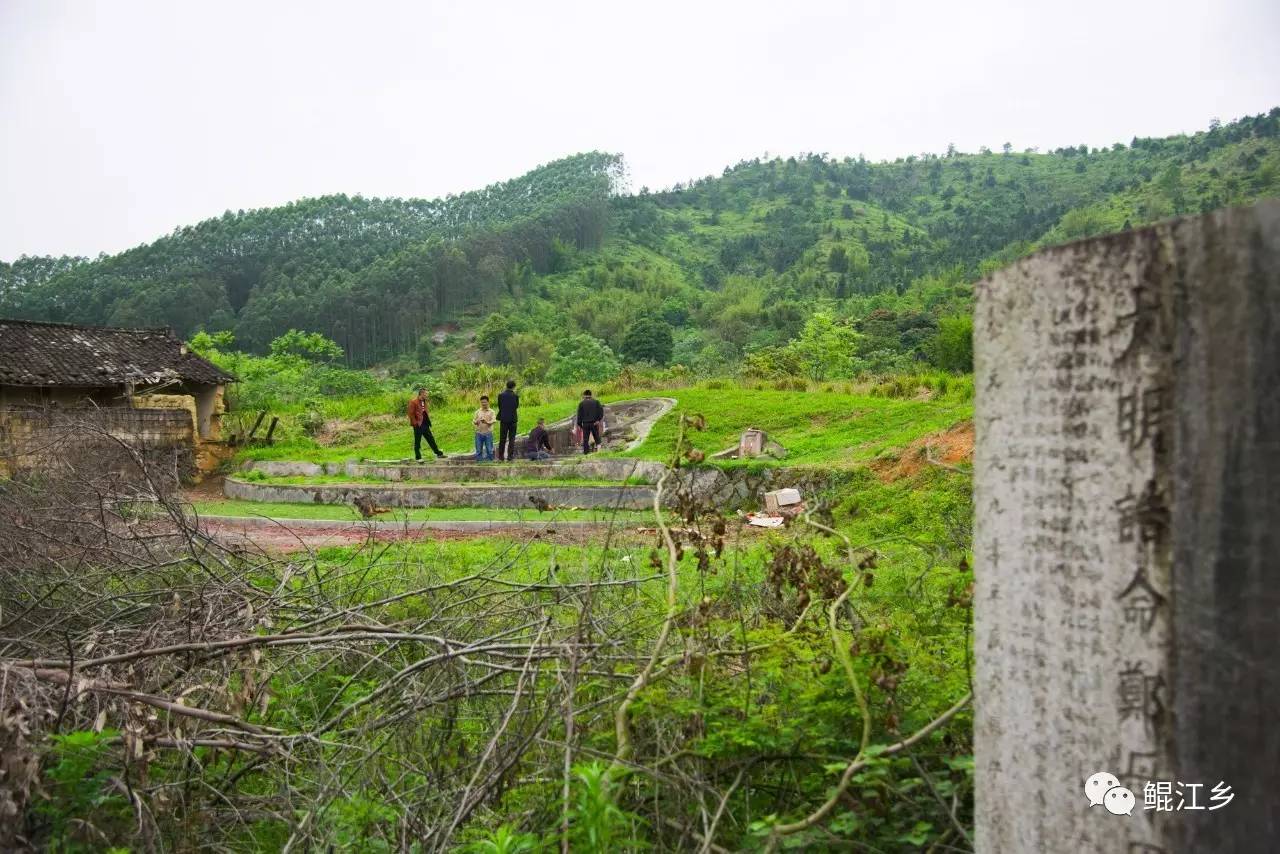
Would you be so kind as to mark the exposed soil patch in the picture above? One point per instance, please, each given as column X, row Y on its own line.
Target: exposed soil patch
column 284, row 537
column 952, row 446
column 339, row 431
column 209, row 489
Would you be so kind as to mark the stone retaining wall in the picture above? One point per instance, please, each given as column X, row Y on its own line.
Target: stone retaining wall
column 736, row 487
column 453, row 472
column 444, row 494
column 741, row 487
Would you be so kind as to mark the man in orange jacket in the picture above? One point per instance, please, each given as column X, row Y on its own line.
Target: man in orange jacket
column 420, row 418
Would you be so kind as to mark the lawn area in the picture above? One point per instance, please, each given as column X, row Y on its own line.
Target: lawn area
column 344, row 513
column 451, row 425
column 817, row 426
column 558, row 480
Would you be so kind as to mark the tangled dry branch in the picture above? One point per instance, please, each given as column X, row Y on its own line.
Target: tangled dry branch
column 245, row 689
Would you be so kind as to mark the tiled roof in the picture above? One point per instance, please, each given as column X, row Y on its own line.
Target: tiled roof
column 62, row 354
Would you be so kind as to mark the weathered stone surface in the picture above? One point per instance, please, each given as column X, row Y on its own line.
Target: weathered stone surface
column 293, row 468
column 585, row 469
column 776, row 499
column 444, row 494
column 590, row 468
column 535, row 521
column 751, row 443
column 1127, row 498
column 627, row 423
column 729, row 488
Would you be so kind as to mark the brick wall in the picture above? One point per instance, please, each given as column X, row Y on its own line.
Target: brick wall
column 34, row 438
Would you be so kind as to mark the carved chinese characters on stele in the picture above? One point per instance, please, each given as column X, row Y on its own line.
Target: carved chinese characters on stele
column 1072, row 605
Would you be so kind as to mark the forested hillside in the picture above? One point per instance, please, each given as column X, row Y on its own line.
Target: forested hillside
column 371, row 273
column 800, row 265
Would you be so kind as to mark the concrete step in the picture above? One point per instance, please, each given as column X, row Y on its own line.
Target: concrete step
column 251, row 523
column 469, row 471
column 444, row 494
column 589, row 469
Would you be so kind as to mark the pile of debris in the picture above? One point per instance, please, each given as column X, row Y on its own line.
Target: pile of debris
column 779, row 506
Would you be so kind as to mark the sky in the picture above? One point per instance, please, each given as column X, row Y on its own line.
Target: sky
column 122, row 120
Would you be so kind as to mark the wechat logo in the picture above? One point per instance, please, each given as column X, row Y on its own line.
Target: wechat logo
column 1104, row 789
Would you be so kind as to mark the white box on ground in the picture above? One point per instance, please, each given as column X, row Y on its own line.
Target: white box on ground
column 779, row 498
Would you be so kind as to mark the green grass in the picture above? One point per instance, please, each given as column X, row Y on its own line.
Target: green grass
column 451, row 426
column 295, row 479
column 817, row 426
column 343, row 513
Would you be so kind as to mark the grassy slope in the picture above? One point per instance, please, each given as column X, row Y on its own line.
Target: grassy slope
column 818, row 427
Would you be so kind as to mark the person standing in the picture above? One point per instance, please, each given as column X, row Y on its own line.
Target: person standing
column 590, row 414
column 483, row 422
column 508, row 403
column 538, row 446
column 420, row 419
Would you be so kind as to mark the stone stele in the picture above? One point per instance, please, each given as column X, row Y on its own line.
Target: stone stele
column 1127, row 540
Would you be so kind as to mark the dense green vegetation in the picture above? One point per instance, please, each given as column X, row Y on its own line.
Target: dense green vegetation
column 371, row 273
column 795, row 660
column 614, row 691
column 551, row 275
column 818, row 423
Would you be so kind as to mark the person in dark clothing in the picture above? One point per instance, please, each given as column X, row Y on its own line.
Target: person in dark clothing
column 590, row 414
column 420, row 420
column 538, row 446
column 508, row 403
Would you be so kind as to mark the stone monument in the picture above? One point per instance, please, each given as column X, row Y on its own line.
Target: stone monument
column 1127, row 542
column 751, row 444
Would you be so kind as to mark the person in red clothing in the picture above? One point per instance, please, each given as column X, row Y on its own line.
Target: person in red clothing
column 420, row 418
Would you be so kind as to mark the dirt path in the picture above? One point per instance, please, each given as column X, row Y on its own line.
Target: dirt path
column 290, row 535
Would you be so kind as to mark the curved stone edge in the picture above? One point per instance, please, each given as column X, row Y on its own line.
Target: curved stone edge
column 735, row 487
column 268, row 522
column 443, row 495
column 645, row 425
column 611, row 468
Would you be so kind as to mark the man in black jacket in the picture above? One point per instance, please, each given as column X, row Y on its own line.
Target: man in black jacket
column 538, row 445
column 508, row 403
column 590, row 414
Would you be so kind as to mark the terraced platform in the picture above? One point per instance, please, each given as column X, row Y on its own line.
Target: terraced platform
column 459, row 481
column 473, row 494
column 465, row 470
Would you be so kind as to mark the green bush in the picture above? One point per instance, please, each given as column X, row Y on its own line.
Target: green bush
column 648, row 339
column 952, row 348
column 78, row 791
column 581, row 358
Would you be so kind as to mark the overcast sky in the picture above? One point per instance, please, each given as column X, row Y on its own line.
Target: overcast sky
column 122, row 120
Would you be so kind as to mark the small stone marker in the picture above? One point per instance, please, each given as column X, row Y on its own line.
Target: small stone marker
column 776, row 500
column 1127, row 542
column 752, row 443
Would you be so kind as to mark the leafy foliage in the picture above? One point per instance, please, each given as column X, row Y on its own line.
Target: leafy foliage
column 581, row 358
column 371, row 274
column 734, row 264
column 649, row 340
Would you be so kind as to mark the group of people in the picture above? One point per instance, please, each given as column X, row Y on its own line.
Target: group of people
column 589, row 421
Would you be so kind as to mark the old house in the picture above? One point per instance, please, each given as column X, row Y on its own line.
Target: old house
column 139, row 386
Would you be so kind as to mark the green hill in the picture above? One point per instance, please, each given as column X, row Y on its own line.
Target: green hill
column 706, row 275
